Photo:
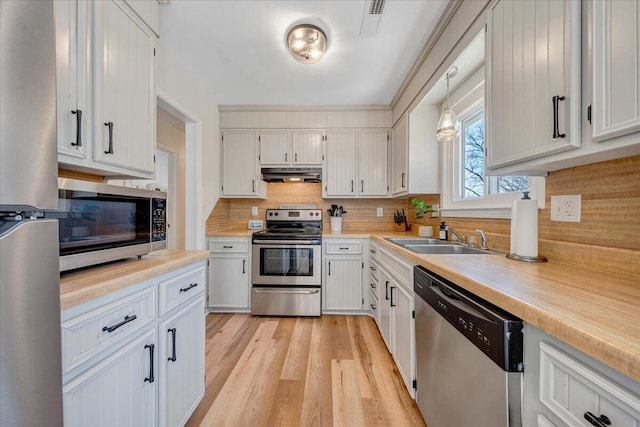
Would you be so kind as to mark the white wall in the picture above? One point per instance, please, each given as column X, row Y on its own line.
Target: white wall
column 174, row 83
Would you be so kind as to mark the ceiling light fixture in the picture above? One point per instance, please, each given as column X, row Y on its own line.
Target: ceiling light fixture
column 307, row 43
column 448, row 125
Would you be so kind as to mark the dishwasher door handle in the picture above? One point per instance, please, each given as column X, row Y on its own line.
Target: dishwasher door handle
column 461, row 304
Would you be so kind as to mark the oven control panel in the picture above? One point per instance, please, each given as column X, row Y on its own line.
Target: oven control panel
column 288, row 215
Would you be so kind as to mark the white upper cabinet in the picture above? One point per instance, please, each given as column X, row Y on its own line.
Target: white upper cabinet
column 616, row 61
column 355, row 164
column 399, row 157
column 307, row 147
column 372, row 163
column 275, row 148
column 241, row 172
column 125, row 103
column 73, row 39
column 532, row 80
column 340, row 173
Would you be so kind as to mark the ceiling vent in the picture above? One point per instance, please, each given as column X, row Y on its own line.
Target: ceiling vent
column 372, row 18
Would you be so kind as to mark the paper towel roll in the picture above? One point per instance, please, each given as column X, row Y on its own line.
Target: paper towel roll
column 524, row 227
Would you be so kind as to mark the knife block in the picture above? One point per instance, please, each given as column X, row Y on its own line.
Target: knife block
column 402, row 227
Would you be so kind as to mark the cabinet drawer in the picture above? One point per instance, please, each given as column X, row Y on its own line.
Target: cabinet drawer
column 346, row 248
column 95, row 332
column 373, row 284
column 374, row 270
column 570, row 389
column 374, row 252
column 176, row 290
column 402, row 269
column 229, row 246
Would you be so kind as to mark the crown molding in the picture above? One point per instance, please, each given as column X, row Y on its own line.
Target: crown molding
column 293, row 108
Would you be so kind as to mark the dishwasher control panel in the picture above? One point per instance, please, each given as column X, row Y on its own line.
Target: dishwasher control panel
column 495, row 332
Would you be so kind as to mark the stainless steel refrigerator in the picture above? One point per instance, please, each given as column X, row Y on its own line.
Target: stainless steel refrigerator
column 30, row 361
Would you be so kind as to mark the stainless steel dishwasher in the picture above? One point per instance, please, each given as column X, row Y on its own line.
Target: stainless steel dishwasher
column 469, row 357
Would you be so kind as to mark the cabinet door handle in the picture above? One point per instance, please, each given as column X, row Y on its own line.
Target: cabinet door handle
column 78, row 114
column 243, row 264
column 362, row 185
column 150, row 379
column 392, row 304
column 402, row 180
column 386, row 289
column 126, row 320
column 188, row 288
column 556, row 132
column 110, row 126
column 295, row 157
column 172, row 331
column 601, row 421
column 352, row 186
column 286, row 155
column 329, row 268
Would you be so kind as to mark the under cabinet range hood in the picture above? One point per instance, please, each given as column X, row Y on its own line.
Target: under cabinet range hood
column 292, row 174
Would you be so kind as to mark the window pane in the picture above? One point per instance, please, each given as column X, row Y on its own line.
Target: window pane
column 510, row 184
column 473, row 148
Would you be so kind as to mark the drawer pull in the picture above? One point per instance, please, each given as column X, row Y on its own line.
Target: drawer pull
column 373, row 268
column 126, row 320
column 373, row 306
column 601, row 421
column 373, row 251
column 227, row 247
column 373, row 285
column 150, row 379
column 188, row 288
column 173, row 345
column 344, row 249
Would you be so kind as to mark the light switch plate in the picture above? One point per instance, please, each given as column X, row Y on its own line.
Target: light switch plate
column 379, row 212
column 254, row 211
column 566, row 208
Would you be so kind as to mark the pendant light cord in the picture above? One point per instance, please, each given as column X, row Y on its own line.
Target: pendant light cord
column 447, row 91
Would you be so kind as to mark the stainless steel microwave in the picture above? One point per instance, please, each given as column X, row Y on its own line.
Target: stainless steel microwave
column 99, row 223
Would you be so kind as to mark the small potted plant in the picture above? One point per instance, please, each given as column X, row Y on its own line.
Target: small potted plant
column 422, row 209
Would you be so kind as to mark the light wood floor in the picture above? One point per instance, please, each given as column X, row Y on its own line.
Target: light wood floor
column 332, row 370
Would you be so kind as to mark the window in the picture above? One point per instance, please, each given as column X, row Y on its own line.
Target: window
column 466, row 191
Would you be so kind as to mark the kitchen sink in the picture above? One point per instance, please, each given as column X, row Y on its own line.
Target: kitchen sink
column 417, row 241
column 446, row 250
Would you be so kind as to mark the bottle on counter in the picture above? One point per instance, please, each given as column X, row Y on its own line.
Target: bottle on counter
column 444, row 232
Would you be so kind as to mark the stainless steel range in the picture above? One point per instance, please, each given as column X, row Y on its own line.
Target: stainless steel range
column 286, row 264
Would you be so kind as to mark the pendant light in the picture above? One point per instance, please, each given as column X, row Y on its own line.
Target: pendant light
column 307, row 43
column 448, row 125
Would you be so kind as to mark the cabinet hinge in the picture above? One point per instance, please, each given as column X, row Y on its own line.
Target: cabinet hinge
column 589, row 113
column 223, row 188
column 154, row 158
column 415, row 384
column 222, row 138
column 387, row 136
column 325, row 188
column 323, row 157
column 363, row 265
column 259, row 157
column 154, row 51
column 259, row 138
column 362, row 301
column 413, row 314
column 387, row 188
column 207, row 299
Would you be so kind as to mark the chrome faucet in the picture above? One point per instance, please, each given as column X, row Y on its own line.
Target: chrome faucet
column 483, row 241
column 461, row 239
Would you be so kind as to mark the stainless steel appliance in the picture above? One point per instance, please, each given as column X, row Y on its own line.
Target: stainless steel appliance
column 100, row 223
column 286, row 264
column 30, row 361
column 468, row 357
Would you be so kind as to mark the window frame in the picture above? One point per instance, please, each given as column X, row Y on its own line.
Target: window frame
column 452, row 166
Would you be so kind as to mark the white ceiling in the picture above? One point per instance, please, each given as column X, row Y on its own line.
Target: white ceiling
column 236, row 50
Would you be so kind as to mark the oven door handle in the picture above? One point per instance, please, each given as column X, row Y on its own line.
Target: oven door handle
column 286, row 291
column 288, row 242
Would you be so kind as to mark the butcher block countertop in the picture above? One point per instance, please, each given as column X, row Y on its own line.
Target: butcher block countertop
column 84, row 285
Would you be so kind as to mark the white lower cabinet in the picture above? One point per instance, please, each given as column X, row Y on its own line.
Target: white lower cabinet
column 229, row 274
column 343, row 275
column 564, row 387
column 120, row 390
column 397, row 313
column 118, row 367
column 181, row 360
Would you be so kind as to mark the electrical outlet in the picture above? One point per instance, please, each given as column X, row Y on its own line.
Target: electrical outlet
column 379, row 212
column 566, row 208
column 436, row 211
column 254, row 211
